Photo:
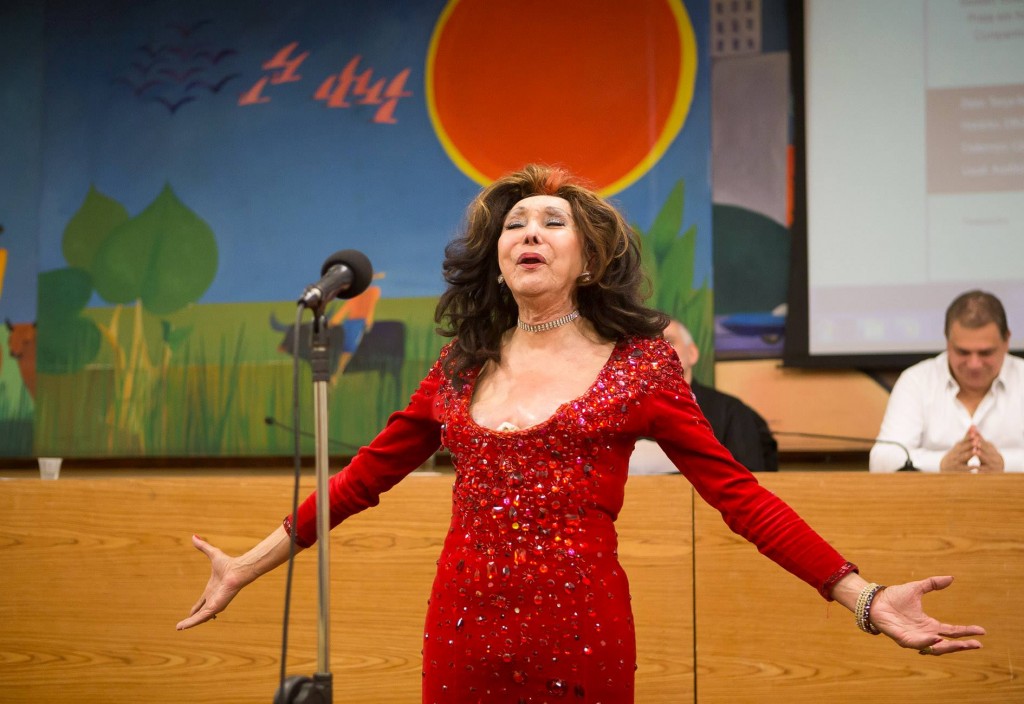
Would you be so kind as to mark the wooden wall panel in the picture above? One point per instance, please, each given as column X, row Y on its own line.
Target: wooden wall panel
column 827, row 401
column 656, row 550
column 765, row 636
column 97, row 572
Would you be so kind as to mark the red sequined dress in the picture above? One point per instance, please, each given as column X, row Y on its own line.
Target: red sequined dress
column 530, row 604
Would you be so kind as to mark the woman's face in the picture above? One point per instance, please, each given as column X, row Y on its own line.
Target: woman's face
column 540, row 252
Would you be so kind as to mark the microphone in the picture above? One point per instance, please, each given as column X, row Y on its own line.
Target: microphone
column 345, row 274
column 908, row 466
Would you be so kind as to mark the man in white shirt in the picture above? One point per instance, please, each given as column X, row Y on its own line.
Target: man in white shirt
column 962, row 411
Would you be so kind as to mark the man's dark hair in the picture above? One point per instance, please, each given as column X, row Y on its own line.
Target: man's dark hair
column 976, row 309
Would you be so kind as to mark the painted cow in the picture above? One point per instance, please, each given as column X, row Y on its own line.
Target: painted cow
column 21, row 341
column 381, row 350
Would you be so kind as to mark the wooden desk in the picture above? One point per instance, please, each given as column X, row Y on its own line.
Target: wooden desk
column 765, row 637
column 96, row 573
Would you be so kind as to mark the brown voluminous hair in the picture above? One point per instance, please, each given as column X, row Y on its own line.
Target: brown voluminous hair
column 476, row 310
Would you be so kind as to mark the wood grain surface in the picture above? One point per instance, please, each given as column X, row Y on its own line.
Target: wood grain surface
column 96, row 573
column 764, row 636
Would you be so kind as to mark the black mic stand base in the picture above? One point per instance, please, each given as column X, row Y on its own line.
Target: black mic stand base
column 299, row 689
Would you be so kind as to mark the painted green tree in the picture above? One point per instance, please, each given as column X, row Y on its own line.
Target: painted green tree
column 668, row 256
column 148, row 267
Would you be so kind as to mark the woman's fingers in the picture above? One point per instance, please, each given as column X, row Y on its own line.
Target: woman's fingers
column 944, row 647
column 203, row 546
column 911, row 627
column 199, row 617
column 934, row 584
column 950, row 631
column 206, row 607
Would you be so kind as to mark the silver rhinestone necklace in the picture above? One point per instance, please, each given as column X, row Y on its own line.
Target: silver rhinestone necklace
column 551, row 324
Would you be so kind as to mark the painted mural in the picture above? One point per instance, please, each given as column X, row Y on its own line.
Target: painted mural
column 198, row 161
column 752, row 157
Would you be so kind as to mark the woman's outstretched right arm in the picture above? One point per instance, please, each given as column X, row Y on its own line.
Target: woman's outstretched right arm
column 229, row 574
column 410, row 437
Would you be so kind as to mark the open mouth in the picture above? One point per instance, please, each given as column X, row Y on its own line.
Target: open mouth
column 530, row 258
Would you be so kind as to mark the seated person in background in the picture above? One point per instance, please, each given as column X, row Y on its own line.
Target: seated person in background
column 736, row 425
column 962, row 411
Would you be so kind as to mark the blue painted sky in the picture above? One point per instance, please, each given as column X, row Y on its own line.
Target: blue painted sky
column 282, row 184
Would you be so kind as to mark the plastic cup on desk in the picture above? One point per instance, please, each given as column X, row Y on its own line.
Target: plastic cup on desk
column 49, row 467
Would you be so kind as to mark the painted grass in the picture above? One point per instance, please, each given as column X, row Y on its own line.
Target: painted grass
column 208, row 393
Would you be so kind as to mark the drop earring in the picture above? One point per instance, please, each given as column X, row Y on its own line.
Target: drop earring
column 501, row 279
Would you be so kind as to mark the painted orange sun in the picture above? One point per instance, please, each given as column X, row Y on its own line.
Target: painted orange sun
column 599, row 86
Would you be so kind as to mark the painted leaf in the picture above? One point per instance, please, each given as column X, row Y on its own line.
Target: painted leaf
column 66, row 341
column 665, row 229
column 67, row 348
column 670, row 260
column 649, row 262
column 63, row 293
column 166, row 256
column 173, row 337
column 698, row 315
column 89, row 228
column 676, row 273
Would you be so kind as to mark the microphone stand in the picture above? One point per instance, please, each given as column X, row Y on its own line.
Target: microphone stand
column 908, row 466
column 298, row 689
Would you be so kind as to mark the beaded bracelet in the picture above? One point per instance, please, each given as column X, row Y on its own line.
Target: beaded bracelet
column 863, row 609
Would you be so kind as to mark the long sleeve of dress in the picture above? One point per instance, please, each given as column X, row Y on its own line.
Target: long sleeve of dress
column 673, row 418
column 409, row 438
column 739, row 428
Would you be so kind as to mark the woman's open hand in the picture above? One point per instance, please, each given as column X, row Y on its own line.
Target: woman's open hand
column 897, row 612
column 222, row 587
column 229, row 574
